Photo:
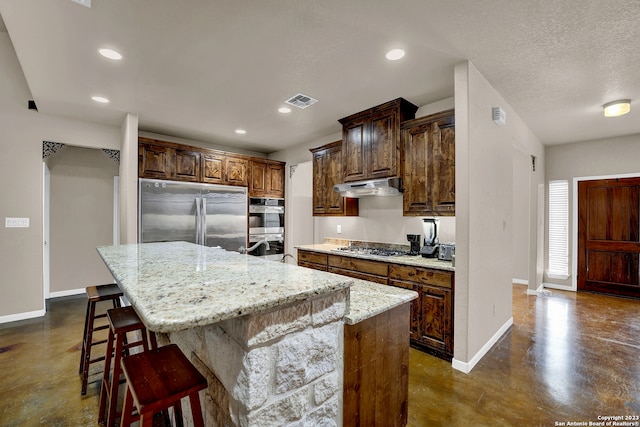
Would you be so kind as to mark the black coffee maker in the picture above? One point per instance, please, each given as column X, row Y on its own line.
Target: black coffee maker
column 414, row 239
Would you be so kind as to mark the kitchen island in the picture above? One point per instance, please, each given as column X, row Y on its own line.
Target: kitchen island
column 268, row 336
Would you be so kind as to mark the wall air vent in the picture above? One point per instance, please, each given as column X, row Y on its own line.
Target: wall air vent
column 301, row 101
column 498, row 115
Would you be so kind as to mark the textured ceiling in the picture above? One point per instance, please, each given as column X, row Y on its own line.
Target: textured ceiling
column 199, row 69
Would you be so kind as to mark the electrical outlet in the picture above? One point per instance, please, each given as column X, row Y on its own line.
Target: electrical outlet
column 339, row 229
column 16, row 222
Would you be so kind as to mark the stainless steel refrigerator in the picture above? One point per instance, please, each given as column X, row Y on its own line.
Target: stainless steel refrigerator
column 206, row 214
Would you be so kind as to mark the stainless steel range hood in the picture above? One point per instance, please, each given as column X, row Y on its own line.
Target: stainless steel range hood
column 372, row 187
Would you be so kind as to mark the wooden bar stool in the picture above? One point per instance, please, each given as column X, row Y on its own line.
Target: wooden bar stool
column 121, row 321
column 95, row 294
column 157, row 380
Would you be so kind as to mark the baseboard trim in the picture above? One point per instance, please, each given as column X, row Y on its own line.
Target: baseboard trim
column 22, row 316
column 535, row 292
column 466, row 367
column 67, row 293
column 559, row 287
column 520, row 282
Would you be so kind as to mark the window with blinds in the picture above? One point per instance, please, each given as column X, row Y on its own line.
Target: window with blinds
column 558, row 228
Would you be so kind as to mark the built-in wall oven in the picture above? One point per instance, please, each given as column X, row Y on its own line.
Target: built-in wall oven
column 266, row 222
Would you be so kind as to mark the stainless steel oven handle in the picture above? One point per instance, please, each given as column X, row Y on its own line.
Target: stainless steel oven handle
column 204, row 221
column 266, row 209
column 198, row 221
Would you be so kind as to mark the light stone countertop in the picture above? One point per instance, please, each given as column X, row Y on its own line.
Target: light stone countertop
column 179, row 285
column 416, row 261
column 368, row 299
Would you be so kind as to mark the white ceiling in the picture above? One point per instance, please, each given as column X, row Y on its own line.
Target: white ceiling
column 199, row 69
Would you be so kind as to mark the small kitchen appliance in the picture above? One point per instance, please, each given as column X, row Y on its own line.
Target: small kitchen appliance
column 430, row 228
column 414, row 239
column 446, row 251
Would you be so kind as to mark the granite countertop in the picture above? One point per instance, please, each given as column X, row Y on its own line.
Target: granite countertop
column 179, row 285
column 416, row 260
column 368, row 299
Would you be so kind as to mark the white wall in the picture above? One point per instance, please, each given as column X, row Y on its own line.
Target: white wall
column 484, row 213
column 21, row 135
column 603, row 157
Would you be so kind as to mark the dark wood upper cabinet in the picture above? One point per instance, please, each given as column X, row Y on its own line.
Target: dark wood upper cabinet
column 224, row 169
column 187, row 165
column 213, row 168
column 236, row 171
column 355, row 133
column 155, row 161
column 160, row 161
column 167, row 160
column 429, row 179
column 267, row 178
column 371, row 141
column 327, row 172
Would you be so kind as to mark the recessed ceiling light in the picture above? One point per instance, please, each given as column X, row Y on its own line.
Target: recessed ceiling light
column 284, row 110
column 241, row 131
column 617, row 108
column 100, row 99
column 395, row 54
column 110, row 53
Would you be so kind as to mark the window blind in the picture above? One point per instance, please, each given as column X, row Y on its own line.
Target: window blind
column 558, row 227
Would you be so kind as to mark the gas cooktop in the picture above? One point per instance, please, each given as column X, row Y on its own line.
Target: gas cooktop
column 360, row 250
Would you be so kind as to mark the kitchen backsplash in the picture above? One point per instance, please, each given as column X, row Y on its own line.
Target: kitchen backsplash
column 380, row 220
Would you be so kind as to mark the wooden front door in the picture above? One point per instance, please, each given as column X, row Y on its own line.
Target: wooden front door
column 609, row 236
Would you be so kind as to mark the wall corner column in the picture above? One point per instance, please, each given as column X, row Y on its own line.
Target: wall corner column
column 129, row 180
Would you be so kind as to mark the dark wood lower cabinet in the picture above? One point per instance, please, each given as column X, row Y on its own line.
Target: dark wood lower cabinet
column 376, row 370
column 372, row 271
column 431, row 316
column 432, row 313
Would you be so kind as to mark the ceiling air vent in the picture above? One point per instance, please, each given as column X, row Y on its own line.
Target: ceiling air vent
column 301, row 101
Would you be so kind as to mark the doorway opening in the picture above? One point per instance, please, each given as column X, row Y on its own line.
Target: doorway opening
column 80, row 196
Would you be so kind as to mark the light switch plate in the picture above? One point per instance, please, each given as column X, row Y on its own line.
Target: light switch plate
column 16, row 222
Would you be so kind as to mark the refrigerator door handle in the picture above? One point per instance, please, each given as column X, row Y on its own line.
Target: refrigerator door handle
column 204, row 222
column 198, row 221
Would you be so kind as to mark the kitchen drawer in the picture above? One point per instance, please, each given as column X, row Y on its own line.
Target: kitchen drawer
column 322, row 267
column 421, row 275
column 318, row 258
column 358, row 275
column 360, row 265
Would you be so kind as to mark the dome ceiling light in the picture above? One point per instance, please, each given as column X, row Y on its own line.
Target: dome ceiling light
column 100, row 99
column 110, row 54
column 395, row 54
column 617, row 108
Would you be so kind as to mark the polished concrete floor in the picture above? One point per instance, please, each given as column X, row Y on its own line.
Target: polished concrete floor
column 568, row 358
